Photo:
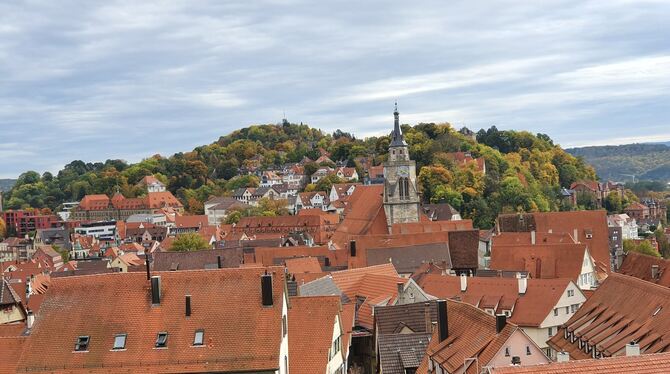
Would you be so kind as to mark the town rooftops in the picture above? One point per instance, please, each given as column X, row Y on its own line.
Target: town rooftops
column 658, row 363
column 649, row 268
column 622, row 309
column 310, row 326
column 105, row 310
column 197, row 260
column 529, row 308
column 401, row 352
column 407, row 259
column 541, row 261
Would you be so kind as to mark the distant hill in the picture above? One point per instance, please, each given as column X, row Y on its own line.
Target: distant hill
column 7, row 184
column 621, row 162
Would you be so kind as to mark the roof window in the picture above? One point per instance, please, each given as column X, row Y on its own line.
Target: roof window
column 120, row 341
column 161, row 340
column 199, row 337
column 82, row 344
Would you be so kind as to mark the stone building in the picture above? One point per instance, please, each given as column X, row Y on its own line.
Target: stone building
column 401, row 196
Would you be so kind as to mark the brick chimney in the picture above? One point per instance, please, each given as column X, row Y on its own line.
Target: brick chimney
column 523, row 285
column 632, row 349
column 442, row 320
column 266, row 289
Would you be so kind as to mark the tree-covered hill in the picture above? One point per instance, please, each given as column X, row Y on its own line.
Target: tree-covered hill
column 524, row 172
column 6, row 184
column 622, row 162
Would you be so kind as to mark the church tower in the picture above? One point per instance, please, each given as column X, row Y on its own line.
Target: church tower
column 401, row 197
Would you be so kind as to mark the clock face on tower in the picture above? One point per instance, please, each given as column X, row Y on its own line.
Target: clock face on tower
column 403, row 171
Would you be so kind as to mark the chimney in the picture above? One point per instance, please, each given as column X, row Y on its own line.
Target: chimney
column 30, row 319
column 218, row 262
column 352, row 248
column 442, row 321
column 632, row 349
column 654, row 271
column 532, row 237
column 464, row 282
column 266, row 289
column 501, row 321
column 428, row 320
column 523, row 285
column 27, row 289
column 188, row 305
column 562, row 357
column 401, row 287
column 156, row 290
column 575, row 235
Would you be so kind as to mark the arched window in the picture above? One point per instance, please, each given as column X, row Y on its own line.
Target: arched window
column 403, row 188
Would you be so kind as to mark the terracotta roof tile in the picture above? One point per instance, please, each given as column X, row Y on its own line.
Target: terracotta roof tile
column 622, row 309
column 529, row 309
column 303, row 265
column 310, row 326
column 640, row 266
column 89, row 306
column 10, row 351
column 555, row 260
column 644, row 364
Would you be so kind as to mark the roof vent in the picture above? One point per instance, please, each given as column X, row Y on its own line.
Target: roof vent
column 155, row 290
column 266, row 289
column 188, row 306
column 516, row 360
column 632, row 349
column 562, row 357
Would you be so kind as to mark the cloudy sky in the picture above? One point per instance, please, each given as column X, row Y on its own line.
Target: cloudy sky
column 94, row 80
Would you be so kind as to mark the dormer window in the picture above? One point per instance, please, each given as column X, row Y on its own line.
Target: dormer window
column 119, row 341
column 82, row 344
column 161, row 340
column 199, row 337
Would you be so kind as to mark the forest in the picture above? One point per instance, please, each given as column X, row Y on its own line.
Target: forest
column 524, row 171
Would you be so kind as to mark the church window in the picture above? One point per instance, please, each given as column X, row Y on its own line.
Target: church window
column 403, row 188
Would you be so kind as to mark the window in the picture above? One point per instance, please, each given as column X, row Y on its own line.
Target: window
column 82, row 344
column 550, row 332
column 571, row 293
column 555, row 312
column 119, row 341
column 336, row 346
column 567, row 310
column 283, row 326
column 528, row 350
column 573, row 308
column 506, row 351
column 161, row 340
column 199, row 337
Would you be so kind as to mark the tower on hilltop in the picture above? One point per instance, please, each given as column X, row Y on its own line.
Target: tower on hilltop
column 401, row 197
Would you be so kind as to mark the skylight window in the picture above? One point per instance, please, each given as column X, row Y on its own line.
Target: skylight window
column 199, row 337
column 82, row 344
column 119, row 341
column 161, row 340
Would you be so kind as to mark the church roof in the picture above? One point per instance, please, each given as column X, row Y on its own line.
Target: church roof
column 397, row 139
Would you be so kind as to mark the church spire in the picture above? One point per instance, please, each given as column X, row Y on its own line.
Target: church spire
column 397, row 139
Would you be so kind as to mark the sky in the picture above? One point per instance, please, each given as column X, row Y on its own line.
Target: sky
column 97, row 80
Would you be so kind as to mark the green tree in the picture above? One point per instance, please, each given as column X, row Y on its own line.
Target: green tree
column 3, row 229
column 431, row 177
column 613, row 202
column 663, row 243
column 644, row 247
column 187, row 242
column 233, row 218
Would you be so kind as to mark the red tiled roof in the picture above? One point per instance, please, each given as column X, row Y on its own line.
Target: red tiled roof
column 310, row 331
column 540, row 261
column 525, row 238
column 363, row 210
column 644, row 364
column 529, row 309
column 303, row 265
column 348, row 280
column 621, row 310
column 639, row 266
column 87, row 305
column 592, row 222
column 191, row 221
column 94, row 202
column 157, row 200
column 10, row 351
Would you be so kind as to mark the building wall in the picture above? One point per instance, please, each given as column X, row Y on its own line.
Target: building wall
column 336, row 363
column 517, row 344
column 13, row 315
column 587, row 277
column 283, row 346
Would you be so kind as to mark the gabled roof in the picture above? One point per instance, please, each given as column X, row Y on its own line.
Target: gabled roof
column 365, row 204
column 622, row 309
column 10, row 351
column 398, row 352
column 529, row 309
column 472, row 333
column 640, row 266
column 7, row 294
column 191, row 221
column 303, row 265
column 197, row 260
column 88, row 306
column 540, row 261
column 157, row 200
column 418, row 317
column 310, row 332
column 644, row 364
column 581, row 223
column 407, row 259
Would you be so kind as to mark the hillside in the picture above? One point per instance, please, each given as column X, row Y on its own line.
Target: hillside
column 524, row 172
column 7, row 184
column 621, row 162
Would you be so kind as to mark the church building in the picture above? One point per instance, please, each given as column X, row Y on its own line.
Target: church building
column 401, row 196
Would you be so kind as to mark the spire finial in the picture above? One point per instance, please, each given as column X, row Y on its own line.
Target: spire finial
column 396, row 107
